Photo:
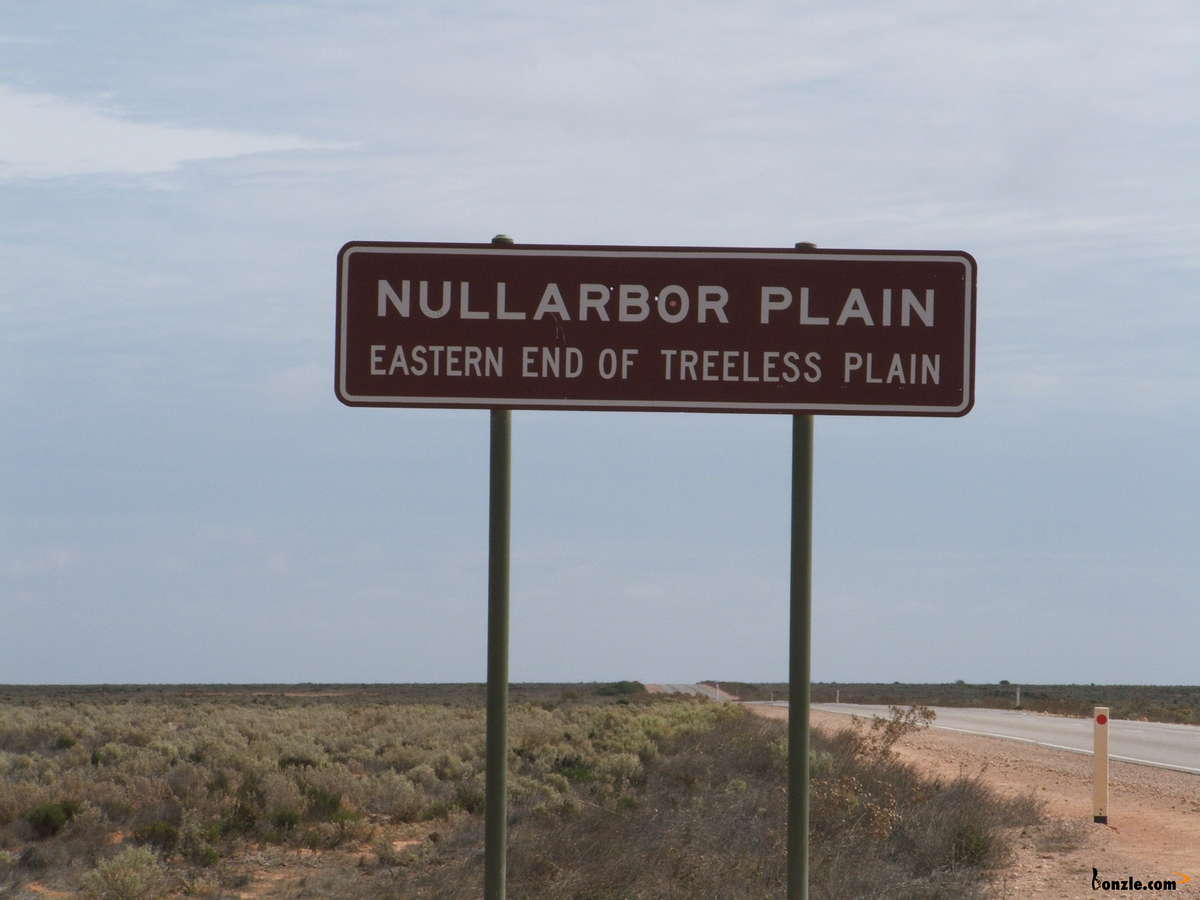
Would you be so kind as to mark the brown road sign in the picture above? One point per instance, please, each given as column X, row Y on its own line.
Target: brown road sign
column 849, row 332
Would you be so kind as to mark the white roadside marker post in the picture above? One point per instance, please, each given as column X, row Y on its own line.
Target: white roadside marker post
column 1100, row 765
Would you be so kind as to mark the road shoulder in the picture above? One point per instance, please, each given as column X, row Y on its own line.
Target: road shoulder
column 1154, row 814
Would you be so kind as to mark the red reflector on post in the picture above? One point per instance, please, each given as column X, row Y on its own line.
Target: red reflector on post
column 1101, row 719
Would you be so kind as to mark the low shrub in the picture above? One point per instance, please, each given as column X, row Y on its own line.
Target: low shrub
column 693, row 793
column 469, row 795
column 49, row 819
column 241, row 819
column 297, row 762
column 161, row 835
column 201, row 853
column 133, row 874
column 323, row 805
column 284, row 819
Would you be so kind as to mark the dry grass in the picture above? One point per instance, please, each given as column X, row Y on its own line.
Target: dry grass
column 350, row 794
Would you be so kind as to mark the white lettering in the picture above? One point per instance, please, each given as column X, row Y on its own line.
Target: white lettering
column 812, row 362
column 399, row 363
column 452, row 361
column 712, row 298
column 471, row 360
column 631, row 303
column 931, row 368
column 805, row 318
column 790, row 359
column 552, row 303
column 770, row 361
column 668, row 357
column 388, row 295
column 551, row 362
column 594, row 297
column 853, row 362
column 493, row 360
column 855, row 307
column 608, row 363
column 909, row 304
column 464, row 304
column 423, row 300
column 668, row 298
column 420, row 365
column 746, row 376
column 728, row 364
column 771, row 299
column 501, row 312
column 687, row 364
column 628, row 354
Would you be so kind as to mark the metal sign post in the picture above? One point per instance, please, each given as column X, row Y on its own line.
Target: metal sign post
column 495, row 839
column 496, row 800
column 799, row 656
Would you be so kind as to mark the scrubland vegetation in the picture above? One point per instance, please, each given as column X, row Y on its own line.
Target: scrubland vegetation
column 1154, row 703
column 322, row 792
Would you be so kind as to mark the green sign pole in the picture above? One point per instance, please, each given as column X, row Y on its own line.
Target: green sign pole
column 495, row 840
column 799, row 656
column 496, row 812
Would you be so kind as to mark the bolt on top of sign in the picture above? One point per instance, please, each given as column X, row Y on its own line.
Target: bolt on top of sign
column 848, row 332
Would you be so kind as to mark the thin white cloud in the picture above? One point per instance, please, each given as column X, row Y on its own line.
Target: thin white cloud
column 44, row 136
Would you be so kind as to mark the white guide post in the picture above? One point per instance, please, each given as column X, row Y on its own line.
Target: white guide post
column 1100, row 763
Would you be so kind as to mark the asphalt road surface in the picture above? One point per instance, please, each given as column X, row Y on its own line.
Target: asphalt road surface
column 1148, row 743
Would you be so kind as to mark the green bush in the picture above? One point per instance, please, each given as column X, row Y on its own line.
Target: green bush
column 284, row 820
column 200, row 852
column 239, row 820
column 133, row 874
column 574, row 770
column 469, row 795
column 323, row 806
column 48, row 819
column 162, row 835
column 436, row 810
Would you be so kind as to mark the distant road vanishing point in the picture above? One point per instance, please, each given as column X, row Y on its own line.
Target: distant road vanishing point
column 701, row 690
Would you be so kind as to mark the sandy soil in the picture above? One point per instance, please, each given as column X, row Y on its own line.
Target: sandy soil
column 1154, row 814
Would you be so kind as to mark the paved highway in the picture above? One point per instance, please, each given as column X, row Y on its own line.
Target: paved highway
column 1148, row 743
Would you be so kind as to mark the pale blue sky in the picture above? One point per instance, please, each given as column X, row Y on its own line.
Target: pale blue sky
column 183, row 499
